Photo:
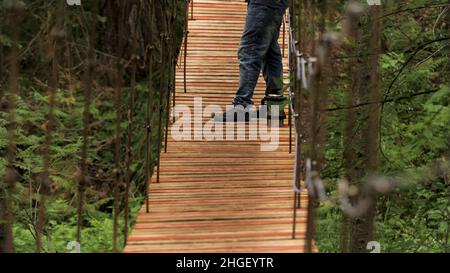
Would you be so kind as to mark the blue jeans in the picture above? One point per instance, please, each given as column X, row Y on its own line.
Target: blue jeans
column 259, row 50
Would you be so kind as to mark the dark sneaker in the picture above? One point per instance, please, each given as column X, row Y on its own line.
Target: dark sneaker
column 270, row 101
column 235, row 114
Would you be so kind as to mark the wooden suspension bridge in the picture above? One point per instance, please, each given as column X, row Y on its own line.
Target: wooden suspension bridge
column 222, row 195
column 217, row 188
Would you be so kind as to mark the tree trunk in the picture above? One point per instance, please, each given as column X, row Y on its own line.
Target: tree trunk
column 362, row 127
column 10, row 176
column 6, row 236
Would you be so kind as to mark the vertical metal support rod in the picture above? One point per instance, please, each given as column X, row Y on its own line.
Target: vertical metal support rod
column 117, row 169
column 297, row 174
column 161, row 109
column 186, row 37
column 294, row 217
column 149, row 114
column 129, row 155
column 168, row 93
column 174, row 94
column 284, row 35
column 82, row 179
column 129, row 149
column 172, row 65
column 297, row 20
column 290, row 129
column 291, row 80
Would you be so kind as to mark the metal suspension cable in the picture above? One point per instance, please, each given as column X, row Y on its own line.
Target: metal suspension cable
column 293, row 113
column 303, row 72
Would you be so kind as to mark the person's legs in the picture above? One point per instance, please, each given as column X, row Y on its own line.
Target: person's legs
column 273, row 67
column 262, row 25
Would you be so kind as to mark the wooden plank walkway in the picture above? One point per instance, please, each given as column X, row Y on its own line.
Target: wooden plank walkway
column 223, row 195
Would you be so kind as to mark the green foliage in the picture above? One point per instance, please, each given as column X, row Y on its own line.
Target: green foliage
column 65, row 156
column 329, row 228
column 96, row 234
column 415, row 133
column 65, row 150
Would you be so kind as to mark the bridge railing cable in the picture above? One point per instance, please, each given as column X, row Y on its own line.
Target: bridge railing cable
column 305, row 74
